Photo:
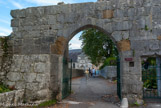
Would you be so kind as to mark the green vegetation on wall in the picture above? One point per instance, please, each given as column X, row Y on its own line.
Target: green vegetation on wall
column 4, row 88
column 4, row 45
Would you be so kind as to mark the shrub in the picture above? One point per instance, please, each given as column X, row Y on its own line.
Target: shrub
column 111, row 61
column 4, row 88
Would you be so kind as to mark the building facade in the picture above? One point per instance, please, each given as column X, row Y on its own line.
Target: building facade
column 79, row 60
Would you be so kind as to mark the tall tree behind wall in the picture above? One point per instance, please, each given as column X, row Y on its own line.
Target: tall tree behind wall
column 97, row 46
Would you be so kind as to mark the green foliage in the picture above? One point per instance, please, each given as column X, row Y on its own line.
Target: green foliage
column 4, row 88
column 111, row 61
column 152, row 61
column 46, row 104
column 97, row 45
column 149, row 78
column 4, row 45
column 146, row 28
column 149, row 75
column 133, row 53
column 136, row 103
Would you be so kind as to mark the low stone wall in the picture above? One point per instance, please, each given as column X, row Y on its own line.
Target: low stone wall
column 11, row 98
column 109, row 72
column 77, row 73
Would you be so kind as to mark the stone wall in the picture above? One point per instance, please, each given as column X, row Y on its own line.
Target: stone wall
column 134, row 25
column 32, row 73
column 12, row 98
column 5, row 57
column 77, row 73
column 109, row 72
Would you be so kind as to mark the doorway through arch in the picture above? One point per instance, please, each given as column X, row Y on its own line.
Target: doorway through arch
column 67, row 76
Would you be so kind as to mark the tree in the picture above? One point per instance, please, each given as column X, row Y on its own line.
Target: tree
column 97, row 46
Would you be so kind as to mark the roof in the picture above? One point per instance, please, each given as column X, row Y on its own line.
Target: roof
column 73, row 54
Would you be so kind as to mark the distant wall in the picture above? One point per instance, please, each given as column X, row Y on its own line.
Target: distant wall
column 109, row 72
column 77, row 73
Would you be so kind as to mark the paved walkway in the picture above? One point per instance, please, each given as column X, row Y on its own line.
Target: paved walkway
column 95, row 93
column 92, row 93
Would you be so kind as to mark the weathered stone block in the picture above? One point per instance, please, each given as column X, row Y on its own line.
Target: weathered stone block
column 17, row 49
column 15, row 22
column 124, row 25
column 108, row 14
column 40, row 67
column 13, row 76
column 20, row 85
column 159, row 37
column 14, row 13
column 52, row 19
column 124, row 45
column 43, row 58
column 154, row 46
column 11, row 98
column 41, row 77
column 43, row 94
column 45, row 48
column 119, row 35
column 29, row 77
column 36, row 49
column 58, row 47
column 32, row 86
column 118, row 13
column 18, row 13
column 26, row 67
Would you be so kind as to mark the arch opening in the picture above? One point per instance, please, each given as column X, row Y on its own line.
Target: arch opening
column 82, row 62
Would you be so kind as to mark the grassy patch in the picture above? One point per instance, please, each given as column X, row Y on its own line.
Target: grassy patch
column 4, row 88
column 46, row 104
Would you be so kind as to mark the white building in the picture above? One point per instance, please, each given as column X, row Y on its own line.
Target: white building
column 79, row 60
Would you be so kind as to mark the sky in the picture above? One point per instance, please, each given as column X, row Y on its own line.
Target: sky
column 7, row 5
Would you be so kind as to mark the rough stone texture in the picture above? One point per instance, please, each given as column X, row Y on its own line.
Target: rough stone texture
column 159, row 37
column 30, row 72
column 12, row 98
column 107, row 14
column 109, row 72
column 124, row 45
column 5, row 59
column 40, row 36
column 59, row 46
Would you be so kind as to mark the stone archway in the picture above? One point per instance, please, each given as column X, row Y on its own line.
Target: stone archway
column 40, row 35
column 66, row 56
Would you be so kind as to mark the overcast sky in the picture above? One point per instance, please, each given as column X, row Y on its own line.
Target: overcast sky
column 7, row 5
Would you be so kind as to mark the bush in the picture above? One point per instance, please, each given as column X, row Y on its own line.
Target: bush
column 111, row 61
column 4, row 88
column 149, row 78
